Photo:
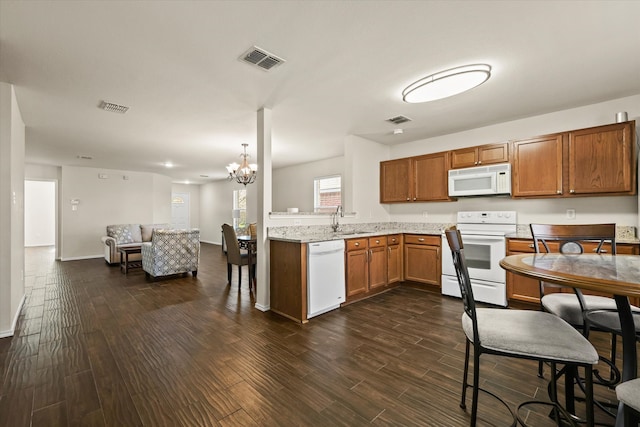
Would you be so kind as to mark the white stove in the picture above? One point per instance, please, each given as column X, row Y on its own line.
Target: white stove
column 483, row 236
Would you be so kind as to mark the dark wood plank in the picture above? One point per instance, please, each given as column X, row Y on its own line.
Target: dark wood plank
column 97, row 347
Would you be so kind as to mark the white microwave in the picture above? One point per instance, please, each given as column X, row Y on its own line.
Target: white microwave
column 480, row 181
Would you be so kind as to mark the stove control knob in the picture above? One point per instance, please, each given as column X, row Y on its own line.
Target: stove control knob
column 507, row 215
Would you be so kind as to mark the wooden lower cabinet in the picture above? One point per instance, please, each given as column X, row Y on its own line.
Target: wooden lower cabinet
column 367, row 265
column 288, row 279
column 520, row 288
column 422, row 261
column 394, row 260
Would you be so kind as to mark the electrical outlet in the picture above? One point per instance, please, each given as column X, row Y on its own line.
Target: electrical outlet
column 425, row 214
column 571, row 214
column 297, row 222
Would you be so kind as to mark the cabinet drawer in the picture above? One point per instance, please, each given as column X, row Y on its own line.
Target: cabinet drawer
column 393, row 239
column 525, row 246
column 355, row 244
column 377, row 241
column 422, row 239
column 519, row 245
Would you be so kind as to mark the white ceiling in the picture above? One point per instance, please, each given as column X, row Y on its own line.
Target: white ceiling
column 175, row 63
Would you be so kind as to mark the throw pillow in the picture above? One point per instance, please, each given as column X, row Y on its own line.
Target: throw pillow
column 122, row 233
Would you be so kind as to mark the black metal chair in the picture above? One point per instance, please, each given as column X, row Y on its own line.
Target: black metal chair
column 628, row 393
column 524, row 334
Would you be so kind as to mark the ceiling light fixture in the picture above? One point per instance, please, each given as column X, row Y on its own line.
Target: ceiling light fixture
column 168, row 164
column 447, row 83
column 243, row 173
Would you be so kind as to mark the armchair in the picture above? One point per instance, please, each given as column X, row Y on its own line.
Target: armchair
column 171, row 252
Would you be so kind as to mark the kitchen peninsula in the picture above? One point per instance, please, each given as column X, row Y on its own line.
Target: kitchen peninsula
column 378, row 257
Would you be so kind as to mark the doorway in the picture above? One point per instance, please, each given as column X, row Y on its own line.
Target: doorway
column 180, row 212
column 39, row 213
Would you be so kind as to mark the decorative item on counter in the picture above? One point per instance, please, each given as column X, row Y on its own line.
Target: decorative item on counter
column 292, row 210
column 622, row 117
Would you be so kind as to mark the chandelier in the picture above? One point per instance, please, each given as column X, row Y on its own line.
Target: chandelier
column 243, row 173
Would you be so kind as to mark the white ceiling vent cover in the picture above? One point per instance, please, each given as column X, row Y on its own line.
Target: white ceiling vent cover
column 114, row 108
column 261, row 58
column 399, row 119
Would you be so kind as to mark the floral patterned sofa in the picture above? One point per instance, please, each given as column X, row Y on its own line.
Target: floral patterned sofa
column 171, row 252
column 127, row 235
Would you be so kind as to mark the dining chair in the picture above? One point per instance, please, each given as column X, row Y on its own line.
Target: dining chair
column 628, row 393
column 520, row 334
column 573, row 306
column 234, row 256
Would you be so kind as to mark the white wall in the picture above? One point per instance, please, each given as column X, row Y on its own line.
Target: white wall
column 142, row 198
column 12, row 146
column 216, row 203
column 293, row 185
column 39, row 213
column 622, row 210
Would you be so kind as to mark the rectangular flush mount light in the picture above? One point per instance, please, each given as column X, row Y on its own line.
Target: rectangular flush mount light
column 114, row 108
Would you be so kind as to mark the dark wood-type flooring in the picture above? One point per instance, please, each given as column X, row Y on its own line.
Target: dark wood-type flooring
column 96, row 347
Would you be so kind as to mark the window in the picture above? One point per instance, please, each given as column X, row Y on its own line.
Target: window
column 239, row 212
column 327, row 193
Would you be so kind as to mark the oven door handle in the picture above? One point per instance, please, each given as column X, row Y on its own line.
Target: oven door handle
column 481, row 238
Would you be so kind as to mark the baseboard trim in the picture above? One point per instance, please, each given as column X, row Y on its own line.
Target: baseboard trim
column 9, row 333
column 262, row 307
column 78, row 258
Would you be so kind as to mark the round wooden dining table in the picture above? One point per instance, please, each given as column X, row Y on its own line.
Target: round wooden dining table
column 618, row 275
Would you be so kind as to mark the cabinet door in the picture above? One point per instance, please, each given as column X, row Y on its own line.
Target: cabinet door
column 537, row 166
column 422, row 264
column 602, row 160
column 493, row 153
column 395, row 181
column 377, row 267
column 357, row 272
column 394, row 264
column 430, row 177
column 464, row 158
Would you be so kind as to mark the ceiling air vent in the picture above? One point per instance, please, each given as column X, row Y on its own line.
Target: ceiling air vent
column 114, row 108
column 399, row 119
column 261, row 58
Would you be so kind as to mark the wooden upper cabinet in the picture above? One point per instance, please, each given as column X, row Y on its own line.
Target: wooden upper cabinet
column 602, row 159
column 395, row 181
column 430, row 175
column 481, row 155
column 594, row 161
column 537, row 166
column 415, row 179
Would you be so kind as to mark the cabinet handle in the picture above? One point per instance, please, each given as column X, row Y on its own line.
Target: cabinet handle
column 475, row 163
column 357, row 244
column 531, row 245
column 370, row 255
column 480, row 162
column 377, row 241
column 408, row 199
column 559, row 192
column 414, row 199
column 421, row 239
column 602, row 251
column 572, row 191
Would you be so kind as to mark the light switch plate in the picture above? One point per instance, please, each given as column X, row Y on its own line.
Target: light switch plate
column 571, row 214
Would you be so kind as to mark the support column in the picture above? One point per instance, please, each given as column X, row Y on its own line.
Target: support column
column 264, row 183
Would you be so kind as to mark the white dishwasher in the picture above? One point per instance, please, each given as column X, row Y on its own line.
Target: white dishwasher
column 325, row 276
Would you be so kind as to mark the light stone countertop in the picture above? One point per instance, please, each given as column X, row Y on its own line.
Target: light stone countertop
column 320, row 233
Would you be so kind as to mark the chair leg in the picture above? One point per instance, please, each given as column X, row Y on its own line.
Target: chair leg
column 553, row 393
column 614, row 339
column 239, row 276
column 589, row 394
column 540, row 369
column 463, row 401
column 228, row 274
column 476, row 385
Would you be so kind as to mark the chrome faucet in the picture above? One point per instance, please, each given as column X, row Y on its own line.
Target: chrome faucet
column 335, row 224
